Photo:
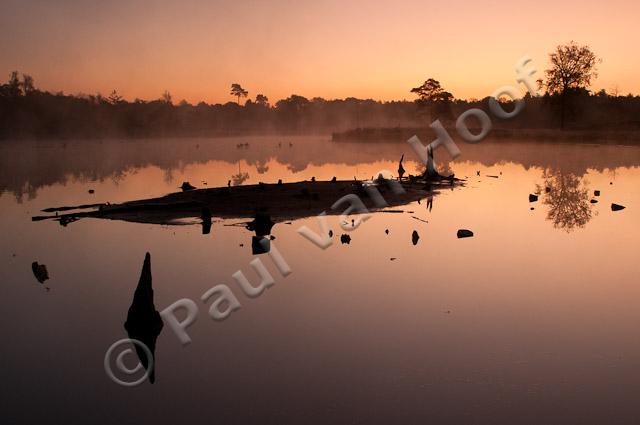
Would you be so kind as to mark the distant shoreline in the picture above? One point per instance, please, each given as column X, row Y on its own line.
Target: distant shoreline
column 402, row 134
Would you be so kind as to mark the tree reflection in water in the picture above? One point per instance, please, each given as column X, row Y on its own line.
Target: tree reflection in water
column 567, row 197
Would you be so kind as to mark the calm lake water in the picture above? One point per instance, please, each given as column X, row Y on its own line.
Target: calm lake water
column 534, row 320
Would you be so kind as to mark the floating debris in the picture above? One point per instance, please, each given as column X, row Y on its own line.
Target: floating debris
column 532, row 197
column 415, row 237
column 345, row 239
column 493, row 177
column 187, row 186
column 617, row 207
column 596, row 193
column 419, row 219
column 40, row 271
column 464, row 233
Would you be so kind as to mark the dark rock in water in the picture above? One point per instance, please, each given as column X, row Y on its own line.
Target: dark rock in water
column 313, row 179
column 594, row 201
column 547, row 189
column 596, row 193
column 415, row 237
column 532, row 208
column 40, row 271
column 272, row 237
column 345, row 239
column 92, row 191
column 386, row 231
column 330, row 233
column 532, row 197
column 260, row 245
column 464, row 233
column 392, row 258
column 334, row 179
column 610, row 182
column 206, row 220
column 187, row 186
column 616, row 207
column 280, row 182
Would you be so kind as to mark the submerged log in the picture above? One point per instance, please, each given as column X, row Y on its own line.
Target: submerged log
column 281, row 201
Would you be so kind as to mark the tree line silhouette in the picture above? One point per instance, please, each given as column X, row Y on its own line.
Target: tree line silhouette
column 567, row 103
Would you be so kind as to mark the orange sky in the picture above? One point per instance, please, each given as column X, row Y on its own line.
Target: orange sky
column 334, row 49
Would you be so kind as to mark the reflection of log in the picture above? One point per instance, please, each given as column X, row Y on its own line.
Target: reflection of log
column 143, row 320
column 281, row 201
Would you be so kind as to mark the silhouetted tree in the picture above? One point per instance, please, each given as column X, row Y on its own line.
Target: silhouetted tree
column 166, row 98
column 114, row 98
column 431, row 94
column 238, row 91
column 14, row 85
column 572, row 68
column 262, row 100
column 28, row 85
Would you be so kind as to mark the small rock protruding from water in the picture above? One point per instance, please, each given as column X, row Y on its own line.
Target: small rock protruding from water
column 334, row 179
column 40, row 271
column 464, row 233
column 344, row 238
column 205, row 215
column 313, row 179
column 547, row 189
column 596, row 193
column 386, row 231
column 594, row 201
column 415, row 237
column 279, row 182
column 617, row 207
column 187, row 186
column 91, row 191
column 330, row 233
column 532, row 197
column 532, row 208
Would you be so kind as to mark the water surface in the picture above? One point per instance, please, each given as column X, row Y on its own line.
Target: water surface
column 533, row 320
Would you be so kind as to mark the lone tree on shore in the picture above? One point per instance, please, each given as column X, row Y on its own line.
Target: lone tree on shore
column 238, row 91
column 572, row 69
column 432, row 94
